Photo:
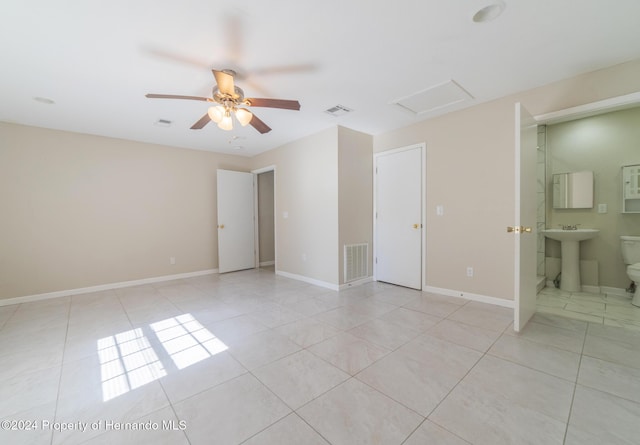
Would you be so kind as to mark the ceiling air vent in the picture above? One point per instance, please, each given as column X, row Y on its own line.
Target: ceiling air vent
column 338, row 110
column 163, row 123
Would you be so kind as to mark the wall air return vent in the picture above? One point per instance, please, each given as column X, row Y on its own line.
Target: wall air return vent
column 338, row 110
column 356, row 262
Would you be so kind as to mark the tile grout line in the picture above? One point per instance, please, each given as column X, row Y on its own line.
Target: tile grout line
column 575, row 386
column 350, row 377
column 64, row 350
column 484, row 354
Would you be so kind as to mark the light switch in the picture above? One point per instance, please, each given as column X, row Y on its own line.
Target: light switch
column 439, row 210
column 285, row 215
column 602, row 208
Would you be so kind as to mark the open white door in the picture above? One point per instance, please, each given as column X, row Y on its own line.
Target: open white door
column 525, row 217
column 398, row 218
column 236, row 222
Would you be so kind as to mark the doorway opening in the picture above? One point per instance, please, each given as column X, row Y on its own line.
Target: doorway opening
column 265, row 219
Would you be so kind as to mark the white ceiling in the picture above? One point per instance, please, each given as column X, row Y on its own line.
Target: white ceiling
column 97, row 59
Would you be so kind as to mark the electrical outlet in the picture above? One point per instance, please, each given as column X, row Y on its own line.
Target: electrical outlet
column 172, row 260
column 304, row 257
column 469, row 271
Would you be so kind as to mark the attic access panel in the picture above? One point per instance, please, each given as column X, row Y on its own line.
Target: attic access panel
column 434, row 98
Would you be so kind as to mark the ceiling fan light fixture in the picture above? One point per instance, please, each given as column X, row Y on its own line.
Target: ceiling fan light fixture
column 226, row 123
column 216, row 113
column 244, row 116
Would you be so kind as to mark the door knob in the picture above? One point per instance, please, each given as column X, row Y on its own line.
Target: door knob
column 416, row 226
column 221, row 226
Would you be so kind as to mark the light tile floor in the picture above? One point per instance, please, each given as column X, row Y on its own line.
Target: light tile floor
column 254, row 358
column 608, row 309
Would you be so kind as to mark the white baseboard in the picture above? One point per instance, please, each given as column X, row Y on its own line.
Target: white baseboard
column 598, row 289
column 615, row 291
column 308, row 280
column 267, row 263
column 591, row 289
column 356, row 283
column 469, row 296
column 101, row 287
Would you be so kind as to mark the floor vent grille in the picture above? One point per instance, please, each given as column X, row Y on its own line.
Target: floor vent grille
column 356, row 262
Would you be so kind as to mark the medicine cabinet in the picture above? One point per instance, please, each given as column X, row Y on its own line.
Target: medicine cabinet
column 631, row 189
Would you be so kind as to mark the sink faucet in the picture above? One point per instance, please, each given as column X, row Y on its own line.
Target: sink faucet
column 569, row 226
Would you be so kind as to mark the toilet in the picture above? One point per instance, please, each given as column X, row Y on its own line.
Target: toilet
column 631, row 257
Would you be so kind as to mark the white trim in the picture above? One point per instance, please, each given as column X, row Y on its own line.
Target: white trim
column 355, row 283
column 266, row 169
column 267, row 263
column 256, row 223
column 591, row 289
column 313, row 281
column 469, row 296
column 102, row 287
column 597, row 289
column 590, row 109
column 615, row 291
column 423, row 204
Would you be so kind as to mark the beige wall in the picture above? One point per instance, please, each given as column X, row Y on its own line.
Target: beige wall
column 266, row 217
column 83, row 210
column 80, row 210
column 355, row 192
column 306, row 178
column 602, row 144
column 470, row 171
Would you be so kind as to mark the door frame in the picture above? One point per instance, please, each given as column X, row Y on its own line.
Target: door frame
column 423, row 205
column 256, row 172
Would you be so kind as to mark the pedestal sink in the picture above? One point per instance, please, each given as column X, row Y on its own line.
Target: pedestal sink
column 570, row 249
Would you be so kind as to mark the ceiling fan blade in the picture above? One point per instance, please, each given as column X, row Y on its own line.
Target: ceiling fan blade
column 256, row 123
column 204, row 120
column 273, row 103
column 225, row 82
column 172, row 96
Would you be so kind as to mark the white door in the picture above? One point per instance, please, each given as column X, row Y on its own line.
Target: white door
column 398, row 216
column 525, row 223
column 236, row 223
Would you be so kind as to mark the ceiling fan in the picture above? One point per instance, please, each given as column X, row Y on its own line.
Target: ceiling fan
column 230, row 101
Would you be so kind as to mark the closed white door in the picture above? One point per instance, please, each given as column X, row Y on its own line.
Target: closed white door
column 398, row 217
column 525, row 234
column 236, row 221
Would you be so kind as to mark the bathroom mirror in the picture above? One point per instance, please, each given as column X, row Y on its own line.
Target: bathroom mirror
column 573, row 190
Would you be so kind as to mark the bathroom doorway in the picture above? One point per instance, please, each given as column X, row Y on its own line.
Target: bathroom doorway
column 587, row 138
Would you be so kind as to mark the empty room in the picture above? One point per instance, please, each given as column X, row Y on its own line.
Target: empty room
column 335, row 223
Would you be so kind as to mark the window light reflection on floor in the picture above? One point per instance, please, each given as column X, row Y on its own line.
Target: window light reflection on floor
column 128, row 361
column 186, row 340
